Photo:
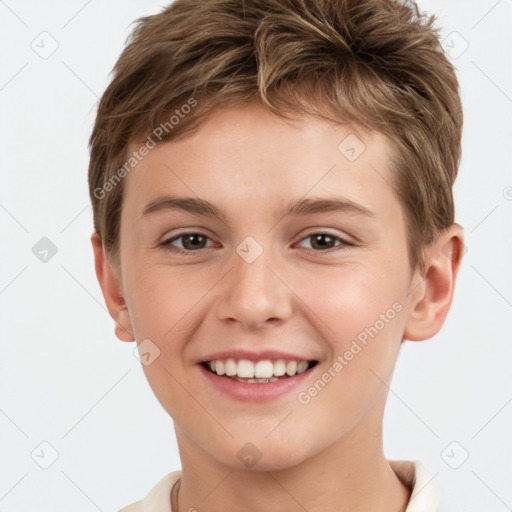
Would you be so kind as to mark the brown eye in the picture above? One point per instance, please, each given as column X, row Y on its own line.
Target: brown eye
column 322, row 242
column 191, row 242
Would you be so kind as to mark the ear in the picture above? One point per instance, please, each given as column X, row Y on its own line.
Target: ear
column 432, row 293
column 112, row 291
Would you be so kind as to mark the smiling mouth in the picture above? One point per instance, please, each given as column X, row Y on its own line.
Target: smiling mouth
column 260, row 373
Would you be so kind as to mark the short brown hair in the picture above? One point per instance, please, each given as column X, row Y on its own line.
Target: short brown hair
column 377, row 64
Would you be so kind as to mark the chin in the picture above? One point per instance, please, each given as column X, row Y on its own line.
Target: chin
column 266, row 455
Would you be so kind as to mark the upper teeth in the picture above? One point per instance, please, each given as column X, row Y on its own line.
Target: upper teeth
column 260, row 369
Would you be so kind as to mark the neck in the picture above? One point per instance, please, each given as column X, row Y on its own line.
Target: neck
column 350, row 475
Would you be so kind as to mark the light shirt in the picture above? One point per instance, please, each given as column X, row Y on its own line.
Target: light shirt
column 424, row 495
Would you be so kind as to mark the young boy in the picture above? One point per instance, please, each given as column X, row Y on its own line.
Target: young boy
column 311, row 146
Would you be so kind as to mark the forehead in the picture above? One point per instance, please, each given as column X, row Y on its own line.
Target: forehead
column 245, row 157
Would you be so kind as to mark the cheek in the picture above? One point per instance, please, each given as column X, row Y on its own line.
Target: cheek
column 360, row 314
column 162, row 300
column 164, row 310
column 347, row 300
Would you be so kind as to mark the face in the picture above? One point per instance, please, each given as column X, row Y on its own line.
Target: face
column 294, row 249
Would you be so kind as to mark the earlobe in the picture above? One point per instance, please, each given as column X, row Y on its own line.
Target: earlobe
column 432, row 293
column 123, row 329
column 112, row 291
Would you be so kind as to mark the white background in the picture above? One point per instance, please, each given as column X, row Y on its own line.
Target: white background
column 66, row 380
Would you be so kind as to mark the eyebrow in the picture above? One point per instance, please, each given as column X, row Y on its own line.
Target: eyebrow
column 299, row 207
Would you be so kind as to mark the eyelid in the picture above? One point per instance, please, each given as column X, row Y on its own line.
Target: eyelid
column 172, row 234
column 319, row 230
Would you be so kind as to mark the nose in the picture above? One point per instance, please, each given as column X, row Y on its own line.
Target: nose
column 254, row 294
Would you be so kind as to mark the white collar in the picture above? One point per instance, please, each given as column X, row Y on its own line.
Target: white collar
column 425, row 495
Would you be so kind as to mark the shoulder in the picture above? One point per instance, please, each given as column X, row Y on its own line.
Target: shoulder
column 158, row 498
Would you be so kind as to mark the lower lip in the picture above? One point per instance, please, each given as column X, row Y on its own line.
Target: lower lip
column 256, row 392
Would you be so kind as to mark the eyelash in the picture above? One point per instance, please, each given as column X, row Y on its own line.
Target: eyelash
column 166, row 244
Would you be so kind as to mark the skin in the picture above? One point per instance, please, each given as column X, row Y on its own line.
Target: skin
column 297, row 296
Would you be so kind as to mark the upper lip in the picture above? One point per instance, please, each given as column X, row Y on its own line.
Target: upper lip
column 252, row 355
